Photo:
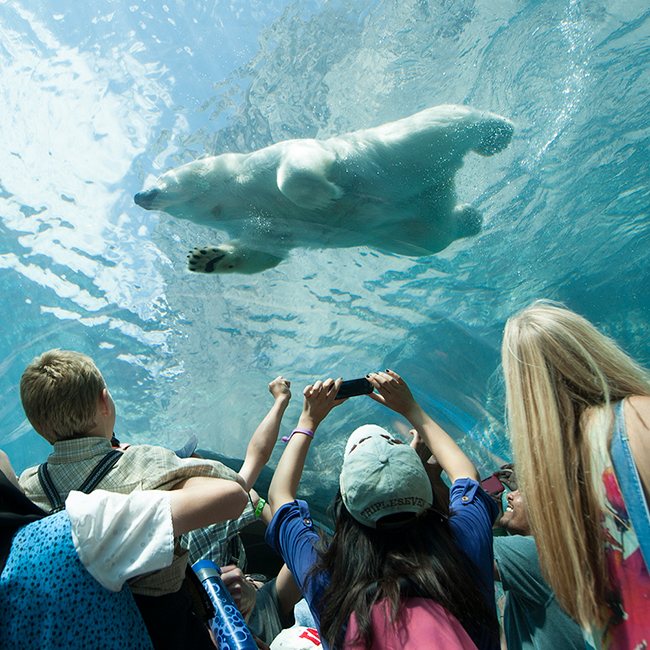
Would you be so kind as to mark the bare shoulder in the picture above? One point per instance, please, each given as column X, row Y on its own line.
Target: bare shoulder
column 637, row 424
column 637, row 412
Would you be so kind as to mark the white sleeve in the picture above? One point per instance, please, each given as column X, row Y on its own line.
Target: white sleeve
column 120, row 536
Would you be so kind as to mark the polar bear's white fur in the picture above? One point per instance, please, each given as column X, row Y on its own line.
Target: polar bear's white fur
column 390, row 188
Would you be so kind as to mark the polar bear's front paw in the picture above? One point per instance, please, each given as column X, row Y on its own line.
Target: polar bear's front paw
column 210, row 259
column 231, row 257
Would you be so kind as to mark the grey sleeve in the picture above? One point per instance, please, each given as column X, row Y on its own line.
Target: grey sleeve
column 518, row 565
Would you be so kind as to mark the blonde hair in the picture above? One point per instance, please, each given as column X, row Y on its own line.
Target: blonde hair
column 559, row 372
column 59, row 391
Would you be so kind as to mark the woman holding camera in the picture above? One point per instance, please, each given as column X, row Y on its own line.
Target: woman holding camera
column 397, row 572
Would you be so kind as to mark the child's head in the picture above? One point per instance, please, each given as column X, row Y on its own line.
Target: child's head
column 382, row 478
column 60, row 391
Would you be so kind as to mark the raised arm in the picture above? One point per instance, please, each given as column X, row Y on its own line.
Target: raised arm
column 266, row 435
column 319, row 400
column 393, row 392
column 434, row 470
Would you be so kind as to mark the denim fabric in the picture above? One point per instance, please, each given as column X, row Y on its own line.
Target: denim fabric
column 630, row 483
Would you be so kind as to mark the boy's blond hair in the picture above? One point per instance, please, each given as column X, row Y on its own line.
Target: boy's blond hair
column 59, row 391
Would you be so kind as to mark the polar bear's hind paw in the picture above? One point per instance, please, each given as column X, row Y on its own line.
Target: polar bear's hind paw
column 494, row 135
column 469, row 221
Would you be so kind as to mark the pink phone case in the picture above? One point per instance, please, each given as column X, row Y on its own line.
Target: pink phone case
column 492, row 484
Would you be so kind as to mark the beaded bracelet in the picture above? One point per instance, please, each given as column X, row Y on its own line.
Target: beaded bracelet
column 305, row 431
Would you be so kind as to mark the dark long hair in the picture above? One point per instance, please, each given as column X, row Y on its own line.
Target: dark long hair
column 367, row 565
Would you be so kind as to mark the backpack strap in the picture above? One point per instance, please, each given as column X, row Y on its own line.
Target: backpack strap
column 103, row 467
column 51, row 492
column 630, row 483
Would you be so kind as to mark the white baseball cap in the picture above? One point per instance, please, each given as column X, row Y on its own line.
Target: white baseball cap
column 382, row 476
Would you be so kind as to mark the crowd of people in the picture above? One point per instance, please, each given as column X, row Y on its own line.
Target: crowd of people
column 97, row 543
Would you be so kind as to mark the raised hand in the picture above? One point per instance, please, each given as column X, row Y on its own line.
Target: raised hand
column 280, row 388
column 261, row 444
column 420, row 446
column 393, row 392
column 320, row 399
column 243, row 592
column 507, row 476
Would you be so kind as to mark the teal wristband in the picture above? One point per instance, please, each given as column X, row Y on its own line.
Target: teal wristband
column 259, row 507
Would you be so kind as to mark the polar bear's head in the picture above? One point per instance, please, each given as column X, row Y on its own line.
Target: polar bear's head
column 188, row 184
column 175, row 186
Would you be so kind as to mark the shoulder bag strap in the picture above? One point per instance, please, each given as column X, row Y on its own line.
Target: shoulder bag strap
column 630, row 484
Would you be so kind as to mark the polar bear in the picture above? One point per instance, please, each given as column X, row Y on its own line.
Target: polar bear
column 390, row 188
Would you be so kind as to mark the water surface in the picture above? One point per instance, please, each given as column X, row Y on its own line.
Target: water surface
column 99, row 99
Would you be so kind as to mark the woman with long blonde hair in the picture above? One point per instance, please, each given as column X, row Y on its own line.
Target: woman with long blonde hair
column 574, row 400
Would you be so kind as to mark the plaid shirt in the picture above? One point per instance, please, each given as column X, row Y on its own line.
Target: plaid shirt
column 143, row 467
column 220, row 542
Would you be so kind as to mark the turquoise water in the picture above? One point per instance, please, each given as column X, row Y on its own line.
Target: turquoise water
column 98, row 100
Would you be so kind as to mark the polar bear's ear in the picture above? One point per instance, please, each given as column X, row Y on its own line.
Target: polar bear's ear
column 303, row 175
column 493, row 134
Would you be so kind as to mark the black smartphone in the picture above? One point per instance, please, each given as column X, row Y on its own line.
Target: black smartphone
column 354, row 387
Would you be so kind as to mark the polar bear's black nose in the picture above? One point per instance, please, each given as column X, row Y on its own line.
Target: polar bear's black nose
column 147, row 198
